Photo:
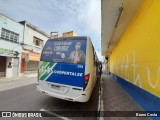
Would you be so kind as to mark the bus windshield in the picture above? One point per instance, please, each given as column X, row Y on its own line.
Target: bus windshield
column 64, row 51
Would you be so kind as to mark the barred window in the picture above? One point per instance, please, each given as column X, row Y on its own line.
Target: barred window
column 9, row 36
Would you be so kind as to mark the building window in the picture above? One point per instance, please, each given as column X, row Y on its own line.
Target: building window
column 37, row 42
column 9, row 36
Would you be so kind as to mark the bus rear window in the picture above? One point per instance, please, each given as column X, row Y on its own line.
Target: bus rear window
column 64, row 51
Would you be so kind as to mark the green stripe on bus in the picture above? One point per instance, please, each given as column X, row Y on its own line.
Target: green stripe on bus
column 50, row 65
column 42, row 68
column 48, row 70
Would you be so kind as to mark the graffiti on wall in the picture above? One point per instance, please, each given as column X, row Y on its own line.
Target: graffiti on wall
column 127, row 68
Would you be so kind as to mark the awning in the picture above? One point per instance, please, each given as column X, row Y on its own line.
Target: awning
column 31, row 56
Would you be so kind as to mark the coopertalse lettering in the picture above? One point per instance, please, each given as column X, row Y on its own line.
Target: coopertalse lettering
column 68, row 73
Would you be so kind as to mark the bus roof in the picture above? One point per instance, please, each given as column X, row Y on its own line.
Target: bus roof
column 71, row 38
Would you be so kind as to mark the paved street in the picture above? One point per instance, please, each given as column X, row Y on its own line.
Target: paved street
column 27, row 98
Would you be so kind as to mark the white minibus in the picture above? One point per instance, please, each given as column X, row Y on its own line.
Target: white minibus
column 68, row 68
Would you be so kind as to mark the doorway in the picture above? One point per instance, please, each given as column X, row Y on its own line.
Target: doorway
column 2, row 66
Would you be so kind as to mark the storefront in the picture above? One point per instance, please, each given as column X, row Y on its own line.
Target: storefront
column 29, row 64
column 9, row 62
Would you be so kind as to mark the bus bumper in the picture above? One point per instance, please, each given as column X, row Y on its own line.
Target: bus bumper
column 82, row 98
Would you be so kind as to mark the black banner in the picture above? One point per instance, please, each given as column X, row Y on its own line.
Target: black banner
column 80, row 113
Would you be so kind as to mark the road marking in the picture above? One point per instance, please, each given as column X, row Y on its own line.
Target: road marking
column 56, row 115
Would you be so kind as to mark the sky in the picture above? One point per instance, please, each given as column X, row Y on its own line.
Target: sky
column 80, row 16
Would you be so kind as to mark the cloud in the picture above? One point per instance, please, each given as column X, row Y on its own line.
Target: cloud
column 56, row 14
column 90, row 17
column 90, row 22
column 81, row 16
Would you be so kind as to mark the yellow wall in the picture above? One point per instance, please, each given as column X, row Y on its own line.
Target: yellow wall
column 66, row 34
column 55, row 36
column 71, row 33
column 136, row 57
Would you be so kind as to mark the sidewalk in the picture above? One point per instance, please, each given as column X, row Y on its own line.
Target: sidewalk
column 4, row 79
column 116, row 99
column 10, row 83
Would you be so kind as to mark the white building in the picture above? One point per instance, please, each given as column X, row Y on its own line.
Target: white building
column 34, row 40
column 11, row 37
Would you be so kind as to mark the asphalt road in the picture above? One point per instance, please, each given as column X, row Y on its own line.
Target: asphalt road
column 27, row 98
